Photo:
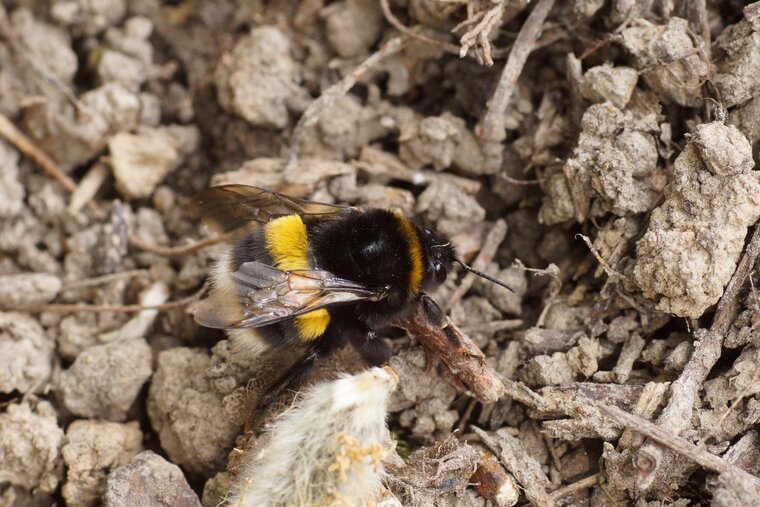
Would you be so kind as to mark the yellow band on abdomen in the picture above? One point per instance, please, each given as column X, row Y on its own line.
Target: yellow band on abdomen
column 288, row 244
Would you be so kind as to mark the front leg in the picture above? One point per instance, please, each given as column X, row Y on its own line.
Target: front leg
column 372, row 349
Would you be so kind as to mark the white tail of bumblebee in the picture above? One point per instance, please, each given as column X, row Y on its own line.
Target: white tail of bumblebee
column 326, row 451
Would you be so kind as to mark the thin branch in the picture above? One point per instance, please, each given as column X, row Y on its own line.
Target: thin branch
column 466, row 415
column 461, row 51
column 88, row 187
column 666, row 438
column 555, row 285
column 585, row 483
column 438, row 335
column 178, row 251
column 84, row 308
column 312, row 112
column 492, row 126
column 101, row 280
column 479, row 34
column 413, row 33
column 515, row 181
column 605, row 266
column 25, row 145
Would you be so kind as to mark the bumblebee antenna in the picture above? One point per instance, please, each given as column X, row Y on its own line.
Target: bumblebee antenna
column 484, row 275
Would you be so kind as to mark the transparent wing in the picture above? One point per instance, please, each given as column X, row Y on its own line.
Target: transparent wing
column 225, row 208
column 270, row 295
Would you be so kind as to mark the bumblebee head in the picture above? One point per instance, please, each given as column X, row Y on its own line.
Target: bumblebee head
column 440, row 256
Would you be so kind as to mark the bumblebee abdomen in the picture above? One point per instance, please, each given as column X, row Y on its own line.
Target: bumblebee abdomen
column 282, row 243
column 287, row 242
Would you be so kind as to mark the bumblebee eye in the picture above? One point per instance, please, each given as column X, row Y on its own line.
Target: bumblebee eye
column 440, row 272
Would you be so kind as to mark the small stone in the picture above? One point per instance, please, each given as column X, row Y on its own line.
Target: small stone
column 216, row 489
column 736, row 59
column 694, row 239
column 28, row 289
column 27, row 357
column 678, row 358
column 670, row 60
column 46, row 45
column 724, row 149
column 88, row 17
column 551, row 370
column 747, row 119
column 429, row 141
column 11, row 190
column 142, row 160
column 73, row 138
column 92, row 449
column 105, row 380
column 188, row 414
column 352, row 26
column 507, row 301
column 584, row 357
column 259, row 80
column 605, row 82
column 116, row 67
column 149, row 481
column 30, row 447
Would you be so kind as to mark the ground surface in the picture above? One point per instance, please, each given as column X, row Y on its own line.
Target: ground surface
column 609, row 178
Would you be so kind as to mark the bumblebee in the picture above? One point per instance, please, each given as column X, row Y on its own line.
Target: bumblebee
column 317, row 274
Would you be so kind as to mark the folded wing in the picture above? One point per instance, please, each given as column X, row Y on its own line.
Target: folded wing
column 226, row 208
column 270, row 295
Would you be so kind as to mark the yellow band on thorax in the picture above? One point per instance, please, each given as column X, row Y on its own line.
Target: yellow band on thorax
column 288, row 244
column 415, row 252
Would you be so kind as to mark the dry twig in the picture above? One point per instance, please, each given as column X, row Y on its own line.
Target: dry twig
column 585, row 483
column 479, row 33
column 101, row 280
column 664, row 437
column 413, row 32
column 25, row 145
column 491, row 128
column 676, row 416
column 552, row 271
column 605, row 266
column 471, row 37
column 85, row 308
column 520, row 464
column 464, row 359
column 179, row 251
column 312, row 112
column 88, row 187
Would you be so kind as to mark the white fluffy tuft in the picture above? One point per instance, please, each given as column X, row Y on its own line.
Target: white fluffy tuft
column 326, row 450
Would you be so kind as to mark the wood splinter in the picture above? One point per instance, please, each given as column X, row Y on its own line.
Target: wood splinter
column 439, row 336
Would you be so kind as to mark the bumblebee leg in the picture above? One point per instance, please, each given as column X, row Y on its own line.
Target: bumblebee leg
column 291, row 379
column 373, row 350
column 297, row 374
